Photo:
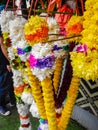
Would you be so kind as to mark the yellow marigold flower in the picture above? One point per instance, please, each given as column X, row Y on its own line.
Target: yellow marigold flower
column 36, row 30
column 74, row 27
column 85, row 66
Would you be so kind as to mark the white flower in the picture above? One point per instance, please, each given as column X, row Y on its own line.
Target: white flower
column 23, row 44
column 53, row 25
column 11, row 53
column 61, row 52
column 53, row 28
column 41, row 50
column 23, row 109
column 17, row 77
column 5, row 18
column 34, row 110
column 44, row 126
column 58, row 110
column 41, row 74
column 25, row 121
column 16, row 27
column 27, row 97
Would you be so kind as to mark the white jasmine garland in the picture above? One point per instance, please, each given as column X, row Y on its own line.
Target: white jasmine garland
column 27, row 97
column 16, row 27
column 23, row 109
column 25, row 121
column 24, row 57
column 5, row 18
column 34, row 110
column 17, row 77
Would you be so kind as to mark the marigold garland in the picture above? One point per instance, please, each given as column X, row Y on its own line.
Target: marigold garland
column 57, row 74
column 68, row 107
column 36, row 92
column 74, row 27
column 49, row 103
column 90, row 24
column 36, row 30
column 85, row 65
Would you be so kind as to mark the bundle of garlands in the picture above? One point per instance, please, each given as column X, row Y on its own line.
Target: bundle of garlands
column 37, row 62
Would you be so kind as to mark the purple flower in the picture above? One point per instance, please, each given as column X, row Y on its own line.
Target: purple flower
column 20, row 51
column 46, row 62
column 56, row 48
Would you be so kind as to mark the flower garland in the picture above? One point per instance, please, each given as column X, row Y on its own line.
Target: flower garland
column 17, row 36
column 74, row 27
column 59, row 52
column 19, row 71
column 42, row 63
column 66, row 79
column 5, row 18
column 85, row 57
column 36, row 30
column 57, row 74
column 26, row 95
column 54, row 28
column 39, row 69
column 24, row 116
column 34, row 110
column 42, row 60
column 49, row 103
column 85, row 62
column 36, row 92
column 90, row 33
column 69, row 104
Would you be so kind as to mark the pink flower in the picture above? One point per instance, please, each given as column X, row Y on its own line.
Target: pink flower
column 32, row 61
column 82, row 48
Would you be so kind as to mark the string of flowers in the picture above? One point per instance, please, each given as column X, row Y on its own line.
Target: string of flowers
column 35, row 30
column 23, row 110
column 90, row 24
column 69, row 104
column 48, row 96
column 59, row 63
column 85, row 62
column 74, row 27
column 57, row 74
column 17, row 40
column 36, row 92
column 85, row 57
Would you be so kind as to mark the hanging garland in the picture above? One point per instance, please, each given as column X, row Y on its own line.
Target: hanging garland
column 37, row 58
